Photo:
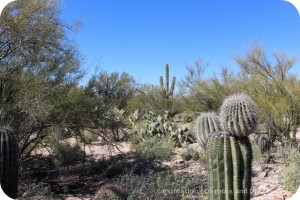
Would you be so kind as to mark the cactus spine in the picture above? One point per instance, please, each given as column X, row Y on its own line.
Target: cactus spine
column 229, row 166
column 238, row 115
column 165, row 88
column 263, row 142
column 9, row 162
column 206, row 124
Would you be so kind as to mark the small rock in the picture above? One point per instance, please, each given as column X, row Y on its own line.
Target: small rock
column 278, row 197
column 262, row 174
column 262, row 188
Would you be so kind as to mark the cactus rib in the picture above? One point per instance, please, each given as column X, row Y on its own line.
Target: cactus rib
column 229, row 165
column 8, row 162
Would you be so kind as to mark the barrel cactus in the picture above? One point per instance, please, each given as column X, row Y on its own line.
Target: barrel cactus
column 206, row 124
column 229, row 166
column 263, row 142
column 9, row 162
column 238, row 115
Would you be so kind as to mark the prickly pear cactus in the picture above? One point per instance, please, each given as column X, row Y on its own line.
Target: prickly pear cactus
column 180, row 134
column 229, row 167
column 8, row 162
column 264, row 143
column 238, row 115
column 206, row 124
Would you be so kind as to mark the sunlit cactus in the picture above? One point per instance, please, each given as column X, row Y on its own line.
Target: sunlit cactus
column 229, row 167
column 238, row 115
column 206, row 124
column 165, row 88
column 9, row 162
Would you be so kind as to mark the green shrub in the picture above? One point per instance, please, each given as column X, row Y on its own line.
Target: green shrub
column 153, row 148
column 166, row 186
column 89, row 136
column 67, row 154
column 285, row 151
column 111, row 192
column 107, row 167
column 292, row 172
column 202, row 158
column 30, row 189
column 189, row 154
column 259, row 158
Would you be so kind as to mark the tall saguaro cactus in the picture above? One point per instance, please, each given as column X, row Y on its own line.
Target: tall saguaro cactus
column 206, row 124
column 165, row 88
column 229, row 166
column 8, row 162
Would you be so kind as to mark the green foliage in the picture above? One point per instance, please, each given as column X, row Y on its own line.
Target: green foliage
column 153, row 148
column 189, row 154
column 259, row 158
column 238, row 115
column 206, row 124
column 89, row 136
column 285, row 151
column 273, row 87
column 202, row 94
column 202, row 158
column 292, row 172
column 110, row 192
column 39, row 65
column 114, row 89
column 164, row 186
column 229, row 166
column 161, row 126
column 31, row 189
column 67, row 154
column 9, row 162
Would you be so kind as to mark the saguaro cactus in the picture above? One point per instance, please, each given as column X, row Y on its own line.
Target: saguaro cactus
column 238, row 115
column 263, row 142
column 206, row 124
column 8, row 162
column 229, row 167
column 165, row 88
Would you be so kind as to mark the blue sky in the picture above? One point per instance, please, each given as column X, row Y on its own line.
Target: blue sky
column 141, row 36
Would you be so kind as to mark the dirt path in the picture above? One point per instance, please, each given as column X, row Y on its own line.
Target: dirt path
column 267, row 180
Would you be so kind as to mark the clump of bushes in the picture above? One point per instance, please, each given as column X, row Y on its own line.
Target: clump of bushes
column 292, row 171
column 190, row 154
column 259, row 158
column 152, row 148
column 67, row 154
column 166, row 186
column 111, row 191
